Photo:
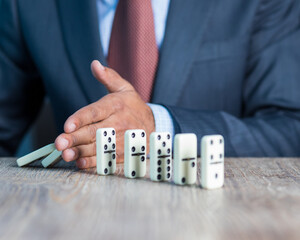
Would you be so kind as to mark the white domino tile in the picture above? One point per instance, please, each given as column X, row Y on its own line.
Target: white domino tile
column 185, row 158
column 160, row 156
column 106, row 151
column 212, row 161
column 36, row 155
column 135, row 153
column 52, row 159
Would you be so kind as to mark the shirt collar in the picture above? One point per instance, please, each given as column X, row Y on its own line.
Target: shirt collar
column 109, row 3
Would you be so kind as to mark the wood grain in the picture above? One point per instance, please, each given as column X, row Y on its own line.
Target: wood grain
column 260, row 200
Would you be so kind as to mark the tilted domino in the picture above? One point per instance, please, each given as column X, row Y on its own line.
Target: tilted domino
column 106, row 151
column 212, row 161
column 36, row 155
column 135, row 153
column 160, row 156
column 185, row 159
column 52, row 159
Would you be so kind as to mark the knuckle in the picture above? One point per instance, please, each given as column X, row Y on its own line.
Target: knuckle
column 92, row 129
column 73, row 140
column 94, row 113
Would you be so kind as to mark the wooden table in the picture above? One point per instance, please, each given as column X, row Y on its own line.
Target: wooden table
column 260, row 200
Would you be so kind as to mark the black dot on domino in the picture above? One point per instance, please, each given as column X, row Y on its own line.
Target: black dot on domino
column 168, row 175
column 159, row 151
column 159, row 169
column 193, row 164
column 133, row 173
column 143, row 148
column 105, row 170
column 169, row 150
column 113, row 132
column 158, row 162
column 105, row 147
column 109, row 139
column 164, row 144
column 113, row 146
column 158, row 137
column 143, row 134
column 168, row 169
column 142, row 158
column 133, row 135
column 211, row 157
column 168, row 161
column 216, row 176
column 113, row 156
column 211, row 142
column 158, row 176
column 109, row 163
column 221, row 155
column 168, row 136
column 221, row 141
column 183, row 180
column 105, row 133
column 133, row 149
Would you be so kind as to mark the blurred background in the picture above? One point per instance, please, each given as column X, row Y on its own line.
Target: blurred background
column 42, row 132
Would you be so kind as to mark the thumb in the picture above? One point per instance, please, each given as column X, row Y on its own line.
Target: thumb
column 109, row 78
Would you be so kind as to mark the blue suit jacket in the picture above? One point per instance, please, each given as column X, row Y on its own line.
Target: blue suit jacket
column 230, row 67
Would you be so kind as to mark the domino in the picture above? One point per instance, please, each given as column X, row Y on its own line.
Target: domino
column 36, row 155
column 52, row 159
column 212, row 161
column 185, row 159
column 106, row 151
column 135, row 153
column 160, row 156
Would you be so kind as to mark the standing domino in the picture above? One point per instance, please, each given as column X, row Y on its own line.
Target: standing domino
column 135, row 153
column 160, row 156
column 106, row 151
column 185, row 159
column 212, row 161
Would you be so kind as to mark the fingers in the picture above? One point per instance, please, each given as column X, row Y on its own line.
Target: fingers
column 109, row 78
column 87, row 150
column 87, row 134
column 86, row 162
column 80, row 151
column 92, row 113
column 120, row 158
column 83, row 136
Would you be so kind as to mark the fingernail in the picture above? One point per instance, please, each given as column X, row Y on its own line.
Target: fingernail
column 81, row 163
column 71, row 127
column 70, row 154
column 102, row 68
column 63, row 143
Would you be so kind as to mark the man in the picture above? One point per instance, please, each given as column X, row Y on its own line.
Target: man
column 229, row 67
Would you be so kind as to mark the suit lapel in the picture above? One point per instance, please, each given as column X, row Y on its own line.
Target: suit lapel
column 80, row 28
column 185, row 27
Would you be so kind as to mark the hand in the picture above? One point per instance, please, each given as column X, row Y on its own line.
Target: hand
column 121, row 109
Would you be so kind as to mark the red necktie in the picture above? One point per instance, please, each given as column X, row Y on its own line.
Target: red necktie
column 133, row 51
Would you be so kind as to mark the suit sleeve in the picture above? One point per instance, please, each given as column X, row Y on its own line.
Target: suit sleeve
column 21, row 90
column 270, row 125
